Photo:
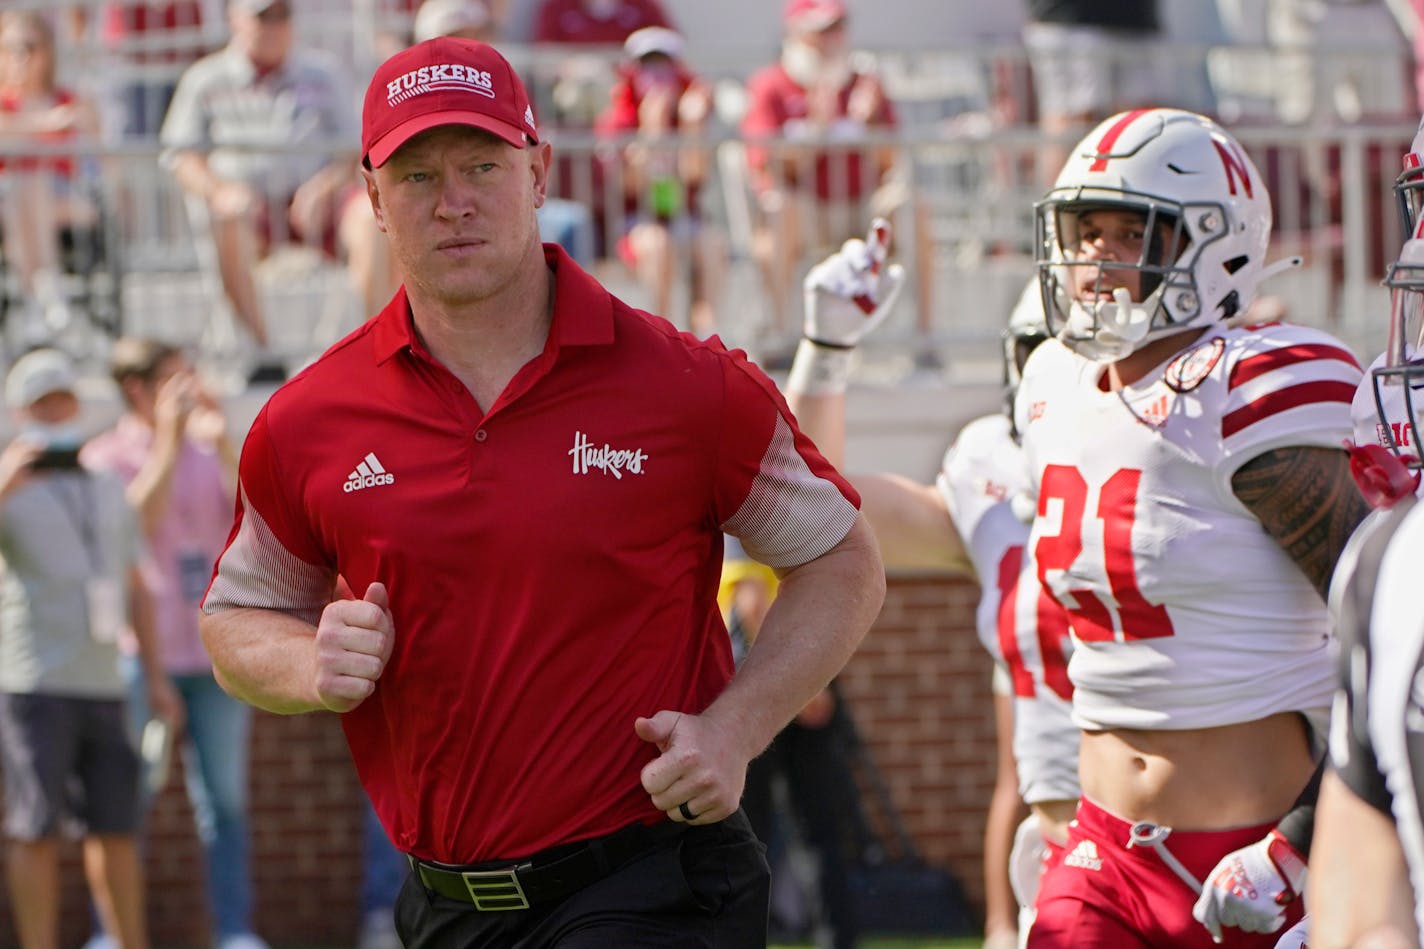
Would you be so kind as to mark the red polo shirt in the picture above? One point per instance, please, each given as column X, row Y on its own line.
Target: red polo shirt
column 552, row 562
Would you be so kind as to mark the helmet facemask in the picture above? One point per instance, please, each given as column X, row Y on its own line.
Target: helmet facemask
column 1087, row 295
column 1399, row 381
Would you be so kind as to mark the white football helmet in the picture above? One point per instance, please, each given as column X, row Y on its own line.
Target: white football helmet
column 1207, row 219
column 1027, row 328
column 1399, row 380
column 1409, row 186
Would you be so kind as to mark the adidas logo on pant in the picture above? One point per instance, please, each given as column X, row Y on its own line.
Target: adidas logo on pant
column 368, row 474
column 1084, row 856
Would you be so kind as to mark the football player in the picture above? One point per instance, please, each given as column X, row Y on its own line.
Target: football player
column 1192, row 500
column 975, row 516
column 1383, row 409
column 1369, row 845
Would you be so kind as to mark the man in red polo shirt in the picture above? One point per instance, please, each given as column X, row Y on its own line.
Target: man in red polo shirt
column 528, row 481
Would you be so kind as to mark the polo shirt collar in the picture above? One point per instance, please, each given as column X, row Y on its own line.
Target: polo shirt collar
column 583, row 312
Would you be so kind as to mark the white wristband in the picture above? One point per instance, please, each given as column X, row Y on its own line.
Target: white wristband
column 819, row 370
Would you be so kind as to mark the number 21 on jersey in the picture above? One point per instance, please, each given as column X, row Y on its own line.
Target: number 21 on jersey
column 1093, row 619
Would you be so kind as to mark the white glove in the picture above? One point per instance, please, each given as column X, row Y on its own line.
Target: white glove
column 1251, row 887
column 846, row 296
column 1296, row 937
column 852, row 291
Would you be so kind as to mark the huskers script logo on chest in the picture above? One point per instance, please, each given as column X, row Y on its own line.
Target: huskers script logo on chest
column 613, row 461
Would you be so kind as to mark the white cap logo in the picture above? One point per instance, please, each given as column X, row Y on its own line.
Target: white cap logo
column 451, row 77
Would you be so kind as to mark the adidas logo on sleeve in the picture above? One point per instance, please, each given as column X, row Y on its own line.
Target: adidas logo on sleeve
column 370, row 473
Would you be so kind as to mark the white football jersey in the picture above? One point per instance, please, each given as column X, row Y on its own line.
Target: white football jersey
column 1185, row 612
column 1394, row 699
column 1021, row 626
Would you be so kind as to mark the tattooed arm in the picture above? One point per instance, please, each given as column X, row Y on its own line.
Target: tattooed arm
column 1304, row 498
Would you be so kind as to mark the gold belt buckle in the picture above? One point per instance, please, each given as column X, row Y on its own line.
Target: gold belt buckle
column 494, row 891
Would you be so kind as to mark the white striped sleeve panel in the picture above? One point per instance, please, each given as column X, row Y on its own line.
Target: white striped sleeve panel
column 791, row 515
column 257, row 572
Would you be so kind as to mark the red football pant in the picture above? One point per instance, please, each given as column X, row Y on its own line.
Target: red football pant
column 1101, row 895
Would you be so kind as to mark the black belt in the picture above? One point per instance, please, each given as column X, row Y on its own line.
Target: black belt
column 550, row 875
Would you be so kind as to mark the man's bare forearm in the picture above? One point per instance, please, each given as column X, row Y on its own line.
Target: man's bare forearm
column 822, row 611
column 264, row 657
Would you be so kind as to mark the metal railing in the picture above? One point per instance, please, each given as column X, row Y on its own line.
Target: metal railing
column 961, row 201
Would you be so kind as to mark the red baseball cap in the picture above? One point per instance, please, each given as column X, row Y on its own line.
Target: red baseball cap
column 443, row 81
column 813, row 15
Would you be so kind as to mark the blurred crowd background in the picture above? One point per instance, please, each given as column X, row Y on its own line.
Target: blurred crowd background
column 706, row 155
column 695, row 205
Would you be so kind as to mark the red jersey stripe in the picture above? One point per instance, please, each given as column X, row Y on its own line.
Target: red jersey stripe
column 1253, row 366
column 1282, row 399
column 1111, row 136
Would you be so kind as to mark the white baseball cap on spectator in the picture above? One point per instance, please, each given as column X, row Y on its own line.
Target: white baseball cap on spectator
column 448, row 17
column 38, row 374
column 653, row 39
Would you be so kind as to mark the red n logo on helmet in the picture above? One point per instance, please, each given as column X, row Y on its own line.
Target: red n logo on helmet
column 1235, row 165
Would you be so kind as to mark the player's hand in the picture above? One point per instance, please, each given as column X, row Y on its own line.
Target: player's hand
column 353, row 644
column 695, row 767
column 852, row 291
column 164, row 701
column 1251, row 887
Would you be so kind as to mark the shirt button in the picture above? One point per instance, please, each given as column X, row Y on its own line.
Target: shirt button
column 481, row 435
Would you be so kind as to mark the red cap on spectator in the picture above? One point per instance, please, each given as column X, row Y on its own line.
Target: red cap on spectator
column 812, row 16
column 443, row 81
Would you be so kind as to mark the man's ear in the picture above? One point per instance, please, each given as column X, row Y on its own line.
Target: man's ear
column 373, row 192
column 540, row 161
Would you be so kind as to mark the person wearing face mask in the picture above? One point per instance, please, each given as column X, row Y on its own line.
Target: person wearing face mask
column 70, row 545
column 813, row 93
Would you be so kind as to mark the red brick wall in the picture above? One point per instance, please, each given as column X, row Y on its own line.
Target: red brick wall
column 918, row 687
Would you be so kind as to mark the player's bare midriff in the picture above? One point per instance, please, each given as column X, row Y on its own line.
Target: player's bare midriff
column 1199, row 779
column 1053, row 818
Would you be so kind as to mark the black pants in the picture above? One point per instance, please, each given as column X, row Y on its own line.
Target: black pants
column 705, row 889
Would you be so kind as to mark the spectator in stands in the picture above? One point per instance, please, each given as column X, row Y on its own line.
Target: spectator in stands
column 153, row 43
column 171, row 448
column 467, row 19
column 813, row 188
column 40, row 195
column 658, row 99
column 1089, row 59
column 229, row 137
column 596, row 22
column 70, row 545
